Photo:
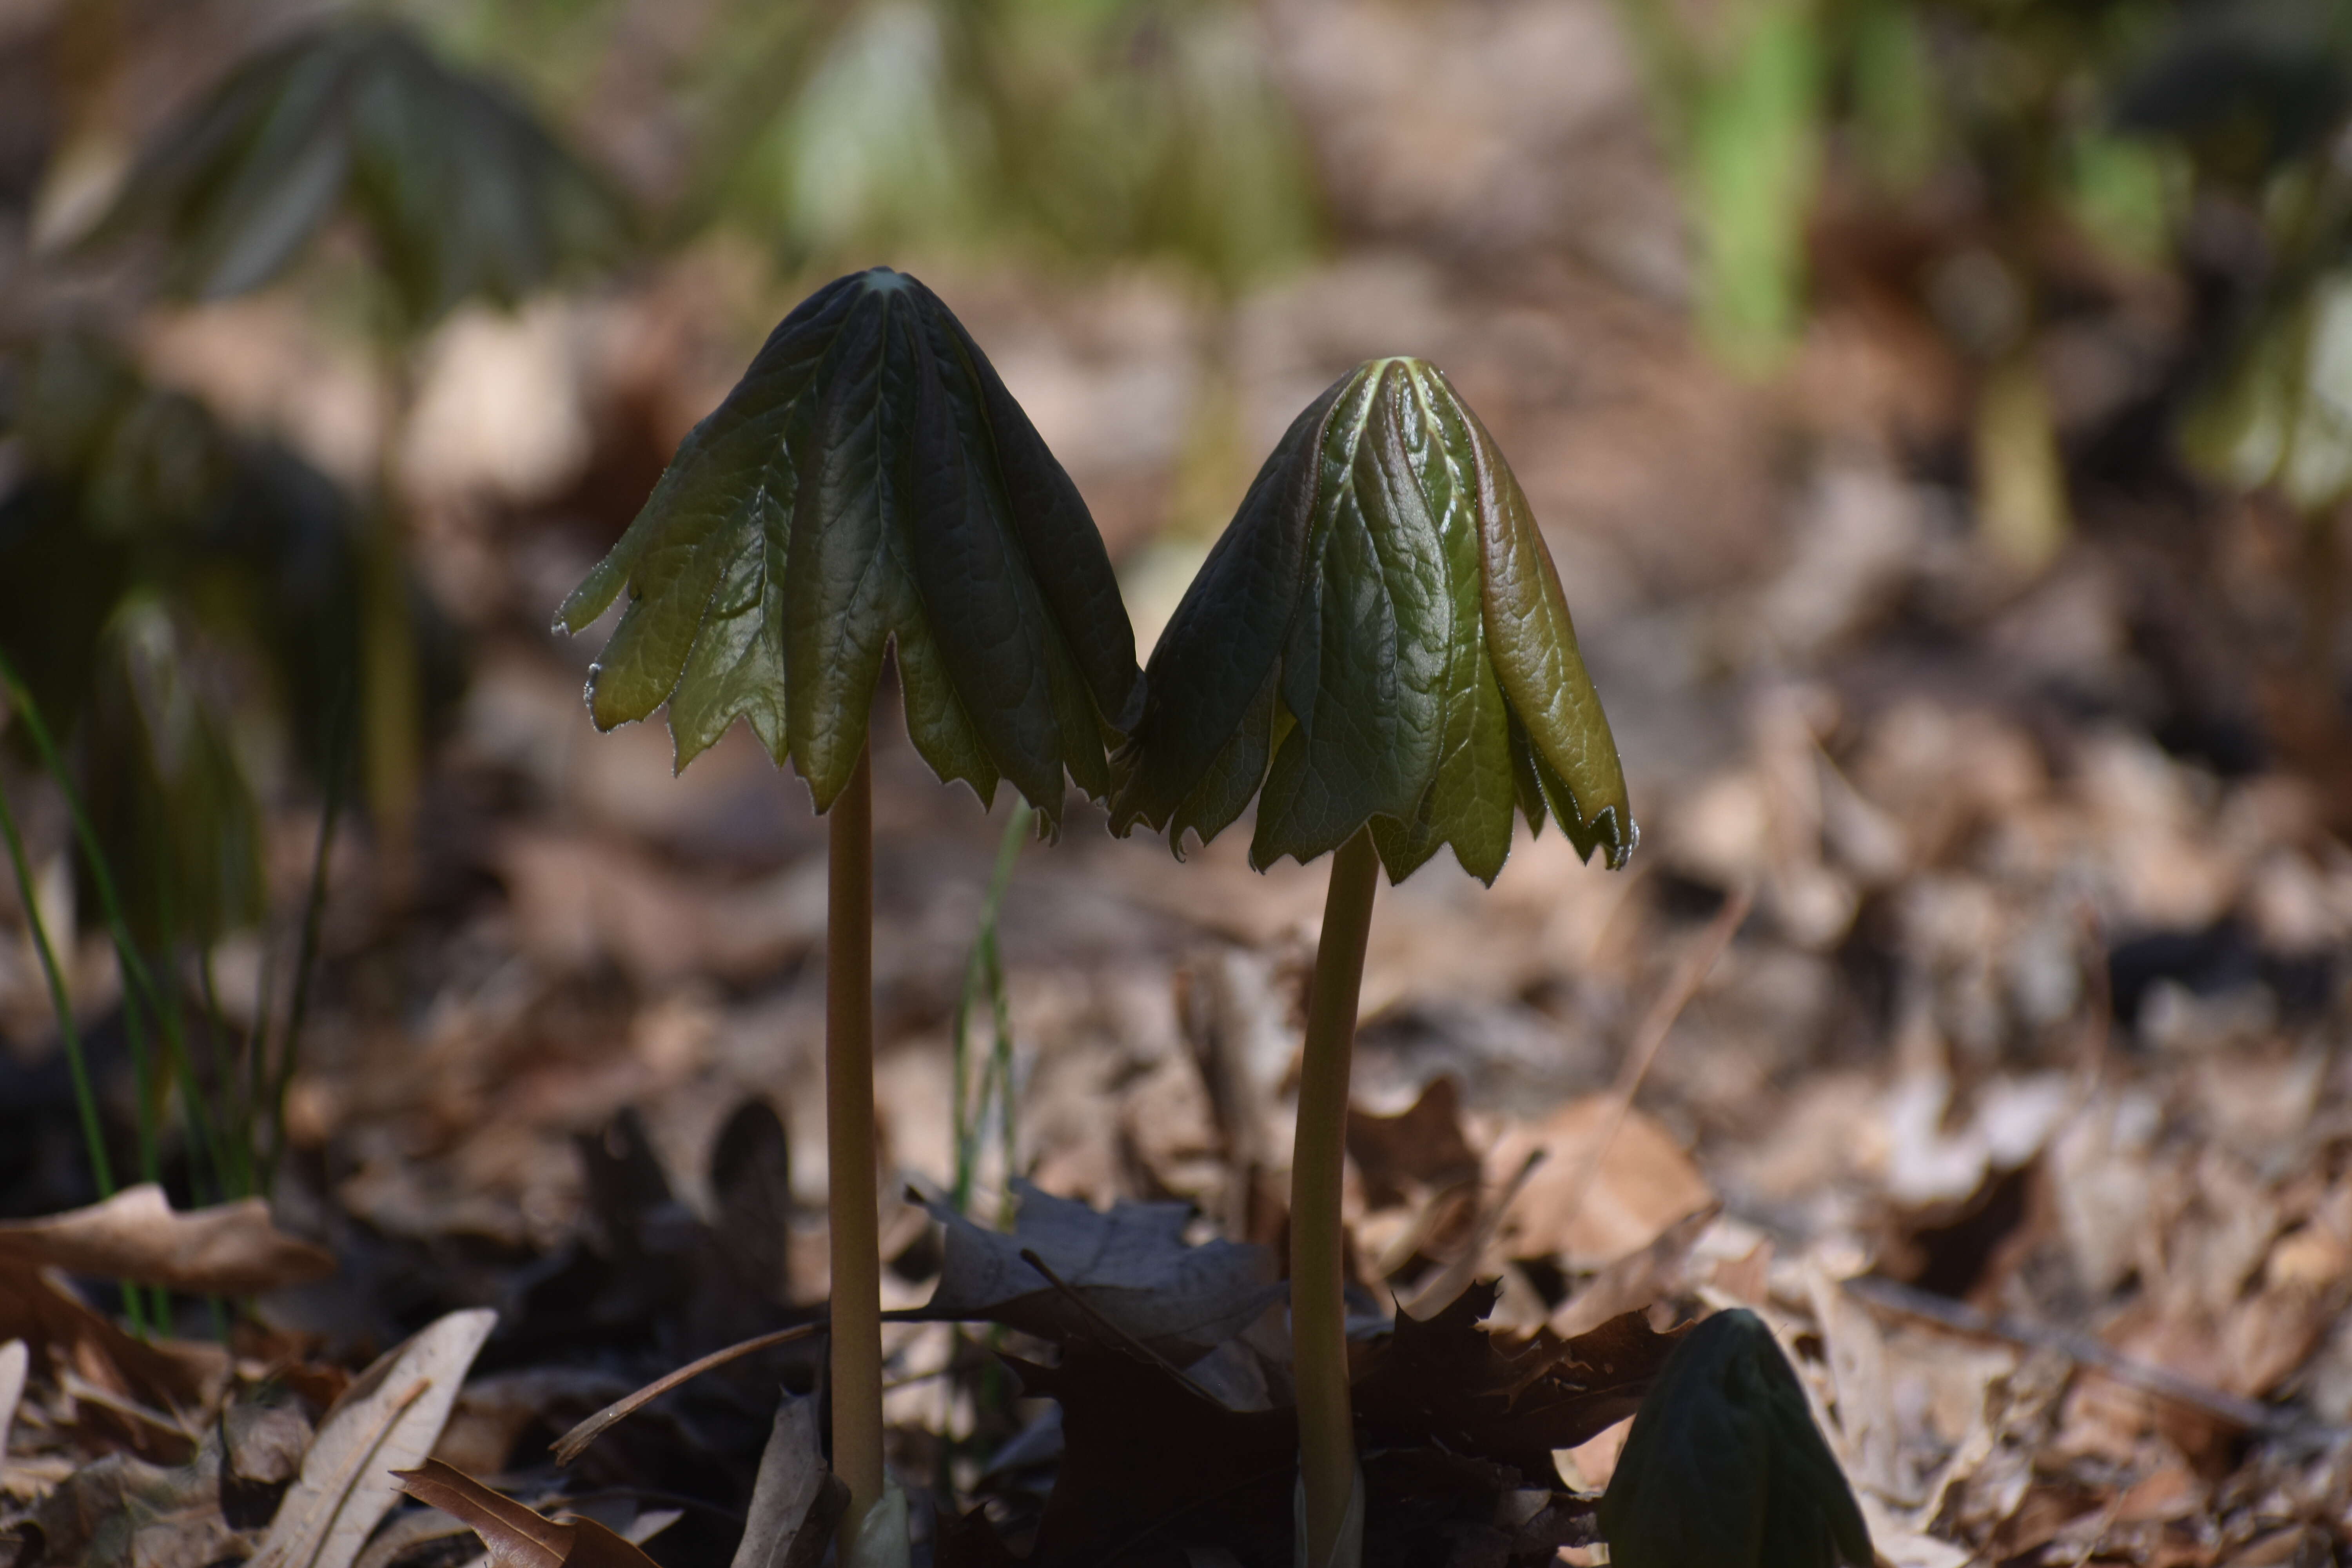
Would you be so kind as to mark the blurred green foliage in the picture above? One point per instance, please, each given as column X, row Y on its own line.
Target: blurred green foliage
column 2024, row 136
column 461, row 191
column 1091, row 130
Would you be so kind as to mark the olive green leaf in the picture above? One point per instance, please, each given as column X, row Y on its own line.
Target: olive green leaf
column 1378, row 637
column 461, row 190
column 870, row 482
column 1725, row 1469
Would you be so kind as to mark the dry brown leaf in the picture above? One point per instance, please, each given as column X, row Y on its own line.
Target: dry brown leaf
column 1636, row 1279
column 578, row 900
column 1421, row 1145
column 38, row 1307
column 796, row 1503
column 517, row 1537
column 14, row 1359
column 1645, row 1184
column 386, row 1421
column 227, row 1249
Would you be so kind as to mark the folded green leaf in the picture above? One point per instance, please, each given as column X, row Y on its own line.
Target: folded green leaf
column 1725, row 1469
column 1379, row 638
column 462, row 191
column 870, row 482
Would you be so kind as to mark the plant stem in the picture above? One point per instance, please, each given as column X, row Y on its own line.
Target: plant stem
column 314, row 910
column 1318, row 1328
column 856, row 1347
column 85, row 1100
column 135, row 974
column 985, row 968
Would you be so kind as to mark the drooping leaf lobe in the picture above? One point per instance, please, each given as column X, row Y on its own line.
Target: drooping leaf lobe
column 870, row 484
column 1378, row 638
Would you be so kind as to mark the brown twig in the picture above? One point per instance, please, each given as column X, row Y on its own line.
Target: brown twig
column 1118, row 1334
column 2248, row 1415
column 569, row 1447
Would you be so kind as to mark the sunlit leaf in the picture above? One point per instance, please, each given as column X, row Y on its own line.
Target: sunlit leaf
column 461, row 190
column 1725, row 1469
column 870, row 482
column 2283, row 414
column 1379, row 638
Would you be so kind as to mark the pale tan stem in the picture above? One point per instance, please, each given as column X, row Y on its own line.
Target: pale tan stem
column 857, row 1340
column 1318, row 1331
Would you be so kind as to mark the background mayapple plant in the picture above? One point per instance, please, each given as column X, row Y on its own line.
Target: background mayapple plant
column 460, row 192
column 870, row 485
column 1378, row 650
column 1725, row 1469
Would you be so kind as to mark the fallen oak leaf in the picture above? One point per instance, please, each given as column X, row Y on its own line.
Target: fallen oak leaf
column 387, row 1420
column 226, row 1249
column 1129, row 1267
column 517, row 1536
column 1446, row 1380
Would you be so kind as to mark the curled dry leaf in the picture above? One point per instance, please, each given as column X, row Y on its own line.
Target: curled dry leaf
column 796, row 1503
column 386, row 1421
column 227, row 1249
column 517, row 1537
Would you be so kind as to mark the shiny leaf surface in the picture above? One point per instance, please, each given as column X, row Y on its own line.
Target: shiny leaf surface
column 1725, row 1469
column 870, row 483
column 1379, row 636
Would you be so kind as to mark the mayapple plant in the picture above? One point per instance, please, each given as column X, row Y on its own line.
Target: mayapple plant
column 868, row 485
column 462, row 194
column 1725, row 1469
column 1378, row 649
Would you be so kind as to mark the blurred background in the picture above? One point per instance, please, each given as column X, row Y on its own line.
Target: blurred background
column 1940, row 412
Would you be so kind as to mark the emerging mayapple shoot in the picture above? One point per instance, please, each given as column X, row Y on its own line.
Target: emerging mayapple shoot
column 1378, row 649
column 1378, row 638
column 1725, row 1469
column 868, row 485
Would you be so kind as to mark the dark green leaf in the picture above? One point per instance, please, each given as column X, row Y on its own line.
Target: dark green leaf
column 1725, row 1469
column 870, row 483
column 463, row 192
column 1378, row 639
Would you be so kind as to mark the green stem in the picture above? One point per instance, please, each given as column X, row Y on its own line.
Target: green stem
column 985, row 968
column 339, row 746
column 852, row 1200
column 1318, row 1327
column 85, row 1101
column 136, row 977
